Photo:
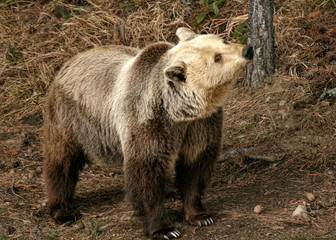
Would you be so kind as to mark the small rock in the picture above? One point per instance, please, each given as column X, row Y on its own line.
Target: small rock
column 310, row 196
column 79, row 226
column 12, row 171
column 38, row 170
column 258, row 209
column 282, row 103
column 44, row 203
column 127, row 216
column 300, row 212
column 29, row 150
column 274, row 165
column 31, row 174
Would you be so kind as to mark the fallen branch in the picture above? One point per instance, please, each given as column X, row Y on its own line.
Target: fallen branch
column 260, row 158
column 12, row 189
column 230, row 154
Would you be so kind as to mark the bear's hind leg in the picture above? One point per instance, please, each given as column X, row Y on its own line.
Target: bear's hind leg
column 62, row 162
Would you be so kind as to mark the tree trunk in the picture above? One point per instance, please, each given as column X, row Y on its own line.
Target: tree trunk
column 260, row 35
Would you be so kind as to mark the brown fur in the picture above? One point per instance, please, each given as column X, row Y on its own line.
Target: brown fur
column 146, row 108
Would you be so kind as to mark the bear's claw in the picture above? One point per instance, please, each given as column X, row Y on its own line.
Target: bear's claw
column 201, row 220
column 166, row 234
column 174, row 234
column 205, row 222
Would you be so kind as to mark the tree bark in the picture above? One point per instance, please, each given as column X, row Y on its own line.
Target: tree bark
column 260, row 35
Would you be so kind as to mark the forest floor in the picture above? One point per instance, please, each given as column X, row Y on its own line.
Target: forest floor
column 279, row 139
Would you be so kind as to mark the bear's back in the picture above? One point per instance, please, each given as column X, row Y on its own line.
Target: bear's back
column 95, row 68
column 88, row 79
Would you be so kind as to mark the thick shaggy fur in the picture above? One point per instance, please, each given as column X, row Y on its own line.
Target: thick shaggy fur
column 158, row 110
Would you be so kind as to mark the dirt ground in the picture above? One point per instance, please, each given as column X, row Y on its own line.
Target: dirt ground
column 279, row 139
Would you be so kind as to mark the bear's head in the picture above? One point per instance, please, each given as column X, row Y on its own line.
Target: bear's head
column 201, row 69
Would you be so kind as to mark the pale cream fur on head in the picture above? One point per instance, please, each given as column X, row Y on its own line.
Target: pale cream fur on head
column 209, row 80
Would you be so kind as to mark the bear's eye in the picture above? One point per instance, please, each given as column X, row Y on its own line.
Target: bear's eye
column 218, row 58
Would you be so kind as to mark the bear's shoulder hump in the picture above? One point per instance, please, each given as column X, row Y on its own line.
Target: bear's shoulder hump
column 151, row 54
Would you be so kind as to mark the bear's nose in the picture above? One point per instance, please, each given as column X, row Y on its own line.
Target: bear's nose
column 248, row 52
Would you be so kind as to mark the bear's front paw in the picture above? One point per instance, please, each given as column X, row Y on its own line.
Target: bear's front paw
column 64, row 215
column 166, row 233
column 200, row 220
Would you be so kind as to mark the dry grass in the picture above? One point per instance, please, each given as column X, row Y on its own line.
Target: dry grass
column 42, row 40
column 284, row 127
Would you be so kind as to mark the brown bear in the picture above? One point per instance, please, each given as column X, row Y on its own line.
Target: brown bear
column 158, row 110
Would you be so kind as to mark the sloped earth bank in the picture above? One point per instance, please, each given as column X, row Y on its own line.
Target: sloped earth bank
column 279, row 139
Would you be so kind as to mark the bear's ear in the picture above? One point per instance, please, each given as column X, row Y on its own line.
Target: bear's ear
column 185, row 34
column 176, row 72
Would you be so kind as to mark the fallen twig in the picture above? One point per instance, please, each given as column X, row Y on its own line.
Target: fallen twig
column 260, row 158
column 230, row 154
column 12, row 189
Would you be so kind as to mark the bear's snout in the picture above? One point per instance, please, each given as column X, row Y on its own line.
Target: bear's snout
column 248, row 52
